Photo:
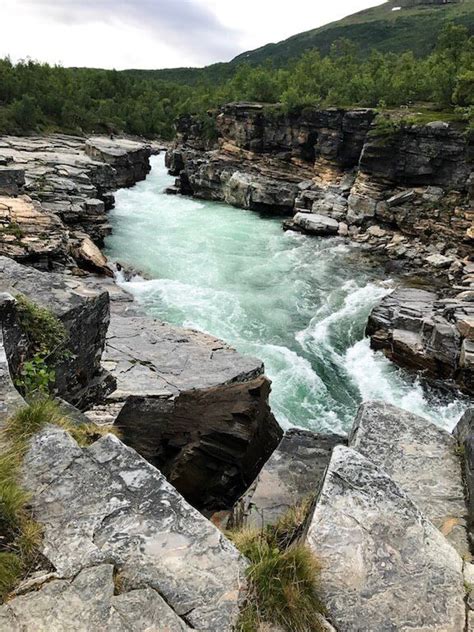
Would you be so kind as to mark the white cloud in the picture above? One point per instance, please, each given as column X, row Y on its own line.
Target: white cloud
column 154, row 33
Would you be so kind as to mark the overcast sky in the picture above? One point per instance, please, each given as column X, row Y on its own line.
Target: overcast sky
column 155, row 33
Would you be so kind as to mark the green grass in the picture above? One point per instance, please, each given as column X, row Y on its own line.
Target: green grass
column 282, row 577
column 20, row 534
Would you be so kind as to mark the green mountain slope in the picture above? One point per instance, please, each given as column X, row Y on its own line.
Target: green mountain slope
column 381, row 28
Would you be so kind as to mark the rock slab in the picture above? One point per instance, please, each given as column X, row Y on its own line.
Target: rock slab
column 421, row 458
column 192, row 406
column 290, row 476
column 107, row 505
column 385, row 567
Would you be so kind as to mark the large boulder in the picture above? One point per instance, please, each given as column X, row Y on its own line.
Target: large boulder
column 192, row 406
column 314, row 224
column 129, row 158
column 84, row 313
column 421, row 458
column 385, row 567
column 289, row 477
column 106, row 504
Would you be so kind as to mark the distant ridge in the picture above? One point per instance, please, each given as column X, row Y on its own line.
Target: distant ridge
column 388, row 27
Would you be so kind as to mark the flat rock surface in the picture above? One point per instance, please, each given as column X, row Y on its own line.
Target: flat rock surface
column 151, row 358
column 385, row 567
column 106, row 504
column 290, row 476
column 421, row 458
column 88, row 603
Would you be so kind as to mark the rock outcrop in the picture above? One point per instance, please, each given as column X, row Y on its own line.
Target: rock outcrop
column 420, row 330
column 385, row 567
column 291, row 476
column 191, row 405
column 464, row 434
column 83, row 311
column 106, row 510
column 88, row 602
column 69, row 183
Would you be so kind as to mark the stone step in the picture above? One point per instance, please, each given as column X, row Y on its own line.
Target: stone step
column 105, row 505
column 420, row 457
column 385, row 567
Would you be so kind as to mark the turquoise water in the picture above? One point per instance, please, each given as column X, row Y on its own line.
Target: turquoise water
column 299, row 303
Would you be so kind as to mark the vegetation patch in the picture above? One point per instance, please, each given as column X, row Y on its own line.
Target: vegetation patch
column 283, row 576
column 46, row 339
column 20, row 534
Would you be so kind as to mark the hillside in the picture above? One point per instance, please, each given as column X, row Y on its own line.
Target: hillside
column 381, row 28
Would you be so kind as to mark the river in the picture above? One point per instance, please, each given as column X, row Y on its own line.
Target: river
column 299, row 303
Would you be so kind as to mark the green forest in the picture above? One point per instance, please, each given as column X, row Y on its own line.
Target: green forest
column 39, row 97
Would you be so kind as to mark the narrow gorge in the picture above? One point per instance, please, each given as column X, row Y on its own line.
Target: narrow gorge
column 280, row 316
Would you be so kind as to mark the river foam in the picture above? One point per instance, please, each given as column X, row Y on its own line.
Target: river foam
column 299, row 303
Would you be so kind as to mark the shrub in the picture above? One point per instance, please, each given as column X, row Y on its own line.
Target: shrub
column 282, row 577
column 47, row 338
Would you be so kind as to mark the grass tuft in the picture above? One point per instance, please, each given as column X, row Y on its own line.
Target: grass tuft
column 283, row 576
column 20, row 534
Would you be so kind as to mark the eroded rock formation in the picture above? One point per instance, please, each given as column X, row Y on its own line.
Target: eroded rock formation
column 69, row 183
column 420, row 330
column 191, row 405
column 403, row 190
column 106, row 509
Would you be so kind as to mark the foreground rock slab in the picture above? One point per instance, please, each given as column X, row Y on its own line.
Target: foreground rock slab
column 192, row 406
column 385, row 567
column 107, row 505
column 421, row 458
column 88, row 603
column 289, row 477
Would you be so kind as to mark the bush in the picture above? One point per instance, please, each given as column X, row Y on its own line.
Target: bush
column 47, row 338
column 282, row 577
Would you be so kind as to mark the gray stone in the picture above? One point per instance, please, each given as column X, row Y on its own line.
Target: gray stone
column 191, row 405
column 316, row 224
column 88, row 603
column 10, row 398
column 290, row 476
column 107, row 505
column 421, row 458
column 401, row 198
column 385, row 567
column 439, row 261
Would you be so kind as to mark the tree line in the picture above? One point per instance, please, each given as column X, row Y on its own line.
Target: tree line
column 39, row 97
